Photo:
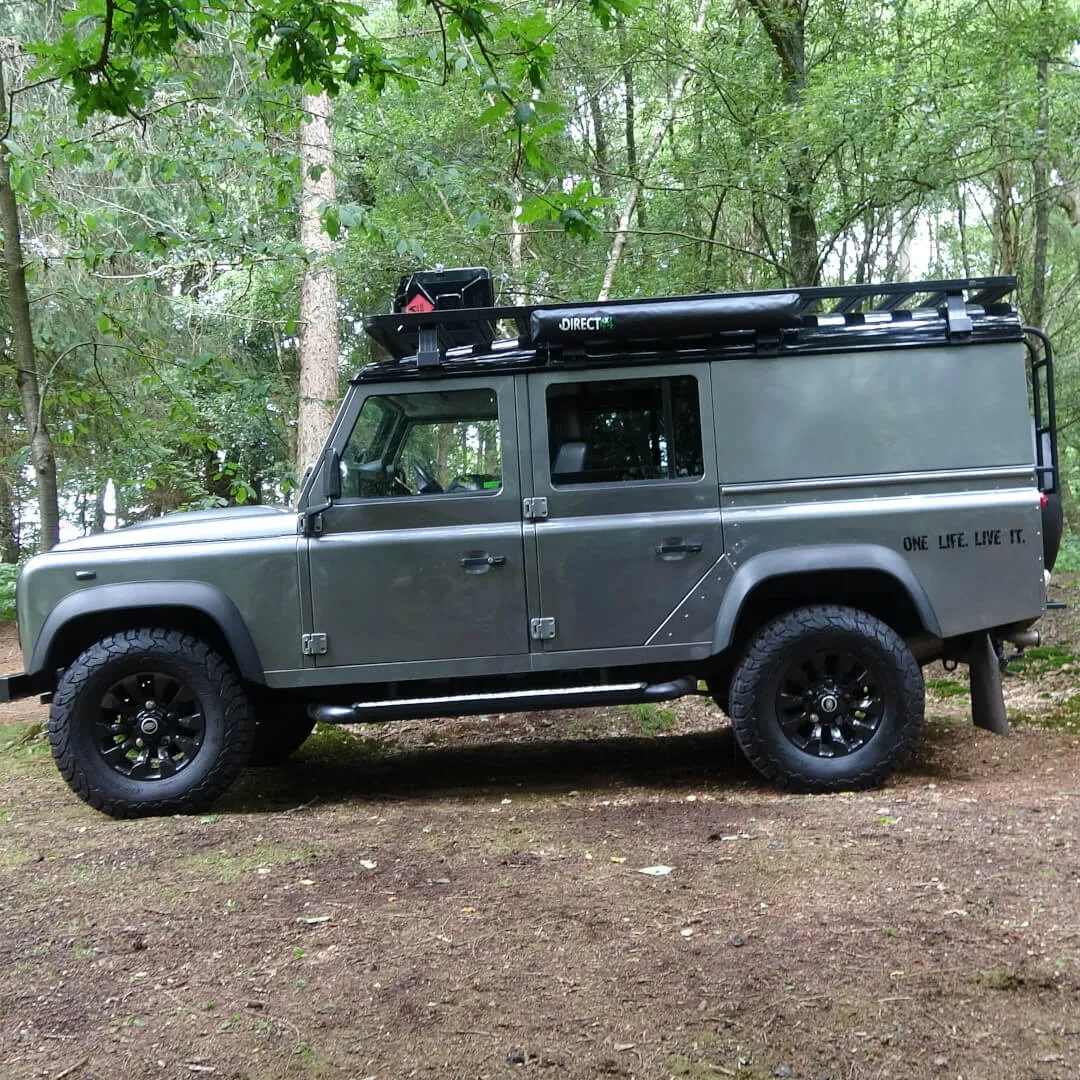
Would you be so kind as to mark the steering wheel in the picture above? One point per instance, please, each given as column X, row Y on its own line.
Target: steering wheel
column 426, row 484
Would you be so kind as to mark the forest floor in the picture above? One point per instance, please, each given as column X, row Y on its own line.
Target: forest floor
column 471, row 899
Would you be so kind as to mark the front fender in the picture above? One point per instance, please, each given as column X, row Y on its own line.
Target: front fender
column 152, row 596
column 814, row 559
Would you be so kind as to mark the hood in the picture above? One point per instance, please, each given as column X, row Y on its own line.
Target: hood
column 196, row 526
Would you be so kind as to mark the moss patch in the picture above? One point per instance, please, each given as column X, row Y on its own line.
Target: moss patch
column 1042, row 659
column 225, row 866
column 1002, row 977
column 651, row 719
column 947, row 688
column 1062, row 716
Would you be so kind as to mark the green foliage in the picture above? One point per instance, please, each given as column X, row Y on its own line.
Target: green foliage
column 1043, row 659
column 8, row 575
column 947, row 688
column 1068, row 554
column 651, row 719
column 162, row 234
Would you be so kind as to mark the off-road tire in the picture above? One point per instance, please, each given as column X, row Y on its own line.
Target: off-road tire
column 280, row 730
column 228, row 733
column 771, row 655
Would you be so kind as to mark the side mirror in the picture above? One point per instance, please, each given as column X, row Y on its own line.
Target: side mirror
column 332, row 476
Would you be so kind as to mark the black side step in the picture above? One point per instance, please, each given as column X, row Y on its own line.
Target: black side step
column 558, row 697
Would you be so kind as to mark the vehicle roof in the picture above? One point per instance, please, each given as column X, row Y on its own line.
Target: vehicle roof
column 823, row 319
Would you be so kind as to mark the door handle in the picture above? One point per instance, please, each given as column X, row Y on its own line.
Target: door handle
column 479, row 562
column 677, row 547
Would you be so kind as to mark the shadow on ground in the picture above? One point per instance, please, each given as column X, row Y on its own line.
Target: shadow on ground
column 333, row 770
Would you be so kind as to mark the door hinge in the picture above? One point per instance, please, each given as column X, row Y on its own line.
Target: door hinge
column 542, row 629
column 313, row 644
column 534, row 509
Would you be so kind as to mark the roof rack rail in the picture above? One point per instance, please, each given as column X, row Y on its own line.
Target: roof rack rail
column 677, row 322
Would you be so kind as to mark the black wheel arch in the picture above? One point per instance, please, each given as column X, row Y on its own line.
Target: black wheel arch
column 194, row 607
column 869, row 577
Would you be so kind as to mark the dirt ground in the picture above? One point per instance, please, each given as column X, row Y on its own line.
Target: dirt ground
column 467, row 899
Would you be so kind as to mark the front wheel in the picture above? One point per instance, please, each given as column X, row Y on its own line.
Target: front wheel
column 150, row 721
column 827, row 698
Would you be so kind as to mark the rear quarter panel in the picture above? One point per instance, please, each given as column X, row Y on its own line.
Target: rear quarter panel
column 927, row 452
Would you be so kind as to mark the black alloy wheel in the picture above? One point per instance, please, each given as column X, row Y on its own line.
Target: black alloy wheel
column 151, row 726
column 150, row 721
column 831, row 703
column 827, row 698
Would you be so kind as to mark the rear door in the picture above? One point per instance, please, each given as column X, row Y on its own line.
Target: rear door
column 628, row 468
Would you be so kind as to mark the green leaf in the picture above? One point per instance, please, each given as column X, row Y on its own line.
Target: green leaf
column 331, row 221
column 493, row 113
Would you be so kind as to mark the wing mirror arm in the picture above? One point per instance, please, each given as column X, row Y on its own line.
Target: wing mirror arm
column 332, row 475
column 331, row 490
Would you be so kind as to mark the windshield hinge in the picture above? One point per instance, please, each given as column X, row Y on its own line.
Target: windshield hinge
column 542, row 629
column 313, row 644
column 535, row 509
column 957, row 320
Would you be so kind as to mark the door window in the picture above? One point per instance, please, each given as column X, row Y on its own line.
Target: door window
column 624, row 430
column 422, row 444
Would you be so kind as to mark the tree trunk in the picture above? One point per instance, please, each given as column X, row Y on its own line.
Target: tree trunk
column 22, row 334
column 1005, row 225
column 9, row 533
column 637, row 182
column 629, row 108
column 600, row 145
column 318, row 290
column 97, row 523
column 784, row 21
column 1040, row 175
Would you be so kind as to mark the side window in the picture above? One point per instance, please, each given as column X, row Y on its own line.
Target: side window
column 624, row 430
column 425, row 443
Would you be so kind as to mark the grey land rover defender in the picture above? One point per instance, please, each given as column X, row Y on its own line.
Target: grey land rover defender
column 794, row 498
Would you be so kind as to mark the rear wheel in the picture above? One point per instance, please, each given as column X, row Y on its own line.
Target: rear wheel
column 827, row 699
column 150, row 721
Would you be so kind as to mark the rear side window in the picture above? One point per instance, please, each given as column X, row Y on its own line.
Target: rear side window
column 624, row 430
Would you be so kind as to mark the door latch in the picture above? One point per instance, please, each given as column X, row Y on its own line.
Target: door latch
column 313, row 644
column 542, row 629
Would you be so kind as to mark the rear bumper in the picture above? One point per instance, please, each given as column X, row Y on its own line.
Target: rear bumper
column 14, row 687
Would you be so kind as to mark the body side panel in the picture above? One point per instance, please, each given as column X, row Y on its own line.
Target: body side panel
column 251, row 585
column 853, row 414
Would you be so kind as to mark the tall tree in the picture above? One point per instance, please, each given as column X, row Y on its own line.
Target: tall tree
column 637, row 181
column 784, row 21
column 22, row 337
column 318, row 289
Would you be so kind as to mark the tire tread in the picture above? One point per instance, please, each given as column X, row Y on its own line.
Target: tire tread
column 183, row 647
column 784, row 632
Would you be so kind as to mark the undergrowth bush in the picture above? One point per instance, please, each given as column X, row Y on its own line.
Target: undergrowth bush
column 8, row 573
column 1069, row 554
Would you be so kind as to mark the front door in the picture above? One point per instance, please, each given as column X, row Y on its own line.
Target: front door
column 627, row 465
column 421, row 559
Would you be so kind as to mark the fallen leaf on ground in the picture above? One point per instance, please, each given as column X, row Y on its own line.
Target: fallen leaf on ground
column 656, row 871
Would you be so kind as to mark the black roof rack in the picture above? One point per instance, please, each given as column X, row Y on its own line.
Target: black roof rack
column 808, row 319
